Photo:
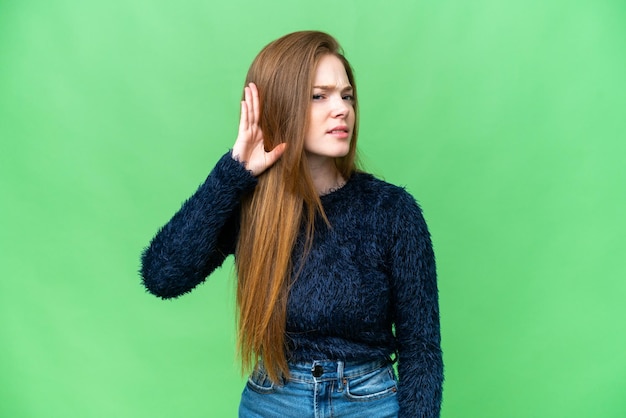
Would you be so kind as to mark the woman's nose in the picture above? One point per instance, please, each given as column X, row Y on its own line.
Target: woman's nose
column 340, row 107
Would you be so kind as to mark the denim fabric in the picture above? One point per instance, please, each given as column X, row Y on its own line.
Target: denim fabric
column 323, row 389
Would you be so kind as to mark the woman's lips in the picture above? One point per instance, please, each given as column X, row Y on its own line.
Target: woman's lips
column 341, row 132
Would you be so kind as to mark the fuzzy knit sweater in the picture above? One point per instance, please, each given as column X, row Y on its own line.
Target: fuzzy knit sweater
column 367, row 290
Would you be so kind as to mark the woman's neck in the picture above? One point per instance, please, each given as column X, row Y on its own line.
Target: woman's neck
column 325, row 175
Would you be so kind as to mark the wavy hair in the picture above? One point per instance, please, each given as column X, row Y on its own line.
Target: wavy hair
column 285, row 201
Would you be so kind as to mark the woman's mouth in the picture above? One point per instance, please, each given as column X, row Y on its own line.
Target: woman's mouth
column 341, row 132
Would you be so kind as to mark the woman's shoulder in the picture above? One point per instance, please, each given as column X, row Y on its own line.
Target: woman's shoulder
column 372, row 187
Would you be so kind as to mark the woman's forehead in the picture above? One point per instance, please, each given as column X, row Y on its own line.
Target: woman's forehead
column 330, row 74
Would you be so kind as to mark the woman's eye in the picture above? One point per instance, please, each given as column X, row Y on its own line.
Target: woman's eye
column 317, row 97
column 348, row 97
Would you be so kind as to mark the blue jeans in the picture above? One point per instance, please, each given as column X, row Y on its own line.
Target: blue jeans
column 323, row 389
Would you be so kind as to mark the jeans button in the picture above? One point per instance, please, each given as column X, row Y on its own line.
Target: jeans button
column 317, row 371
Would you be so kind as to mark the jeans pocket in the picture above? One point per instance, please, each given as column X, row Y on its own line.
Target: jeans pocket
column 260, row 382
column 371, row 386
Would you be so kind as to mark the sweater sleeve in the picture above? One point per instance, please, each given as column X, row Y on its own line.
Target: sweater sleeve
column 200, row 235
column 416, row 313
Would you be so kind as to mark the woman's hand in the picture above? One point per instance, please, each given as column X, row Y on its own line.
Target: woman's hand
column 248, row 147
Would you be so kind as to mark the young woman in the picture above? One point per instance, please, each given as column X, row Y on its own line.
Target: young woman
column 335, row 268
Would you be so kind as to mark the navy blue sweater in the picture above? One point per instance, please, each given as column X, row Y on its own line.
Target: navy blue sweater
column 373, row 270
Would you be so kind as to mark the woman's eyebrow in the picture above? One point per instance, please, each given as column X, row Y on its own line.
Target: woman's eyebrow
column 346, row 88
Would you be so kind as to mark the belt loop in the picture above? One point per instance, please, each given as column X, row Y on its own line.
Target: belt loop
column 340, row 378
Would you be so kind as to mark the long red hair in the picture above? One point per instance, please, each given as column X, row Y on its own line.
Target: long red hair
column 284, row 199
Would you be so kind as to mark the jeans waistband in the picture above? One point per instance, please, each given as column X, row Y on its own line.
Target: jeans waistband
column 325, row 370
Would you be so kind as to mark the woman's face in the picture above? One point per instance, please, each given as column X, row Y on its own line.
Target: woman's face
column 331, row 115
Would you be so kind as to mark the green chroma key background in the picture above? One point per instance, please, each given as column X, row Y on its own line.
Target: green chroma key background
column 506, row 120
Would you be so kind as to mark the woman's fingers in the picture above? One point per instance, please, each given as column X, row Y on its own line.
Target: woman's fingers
column 275, row 154
column 248, row 146
column 250, row 111
column 249, row 107
column 260, row 160
column 243, row 118
column 254, row 92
